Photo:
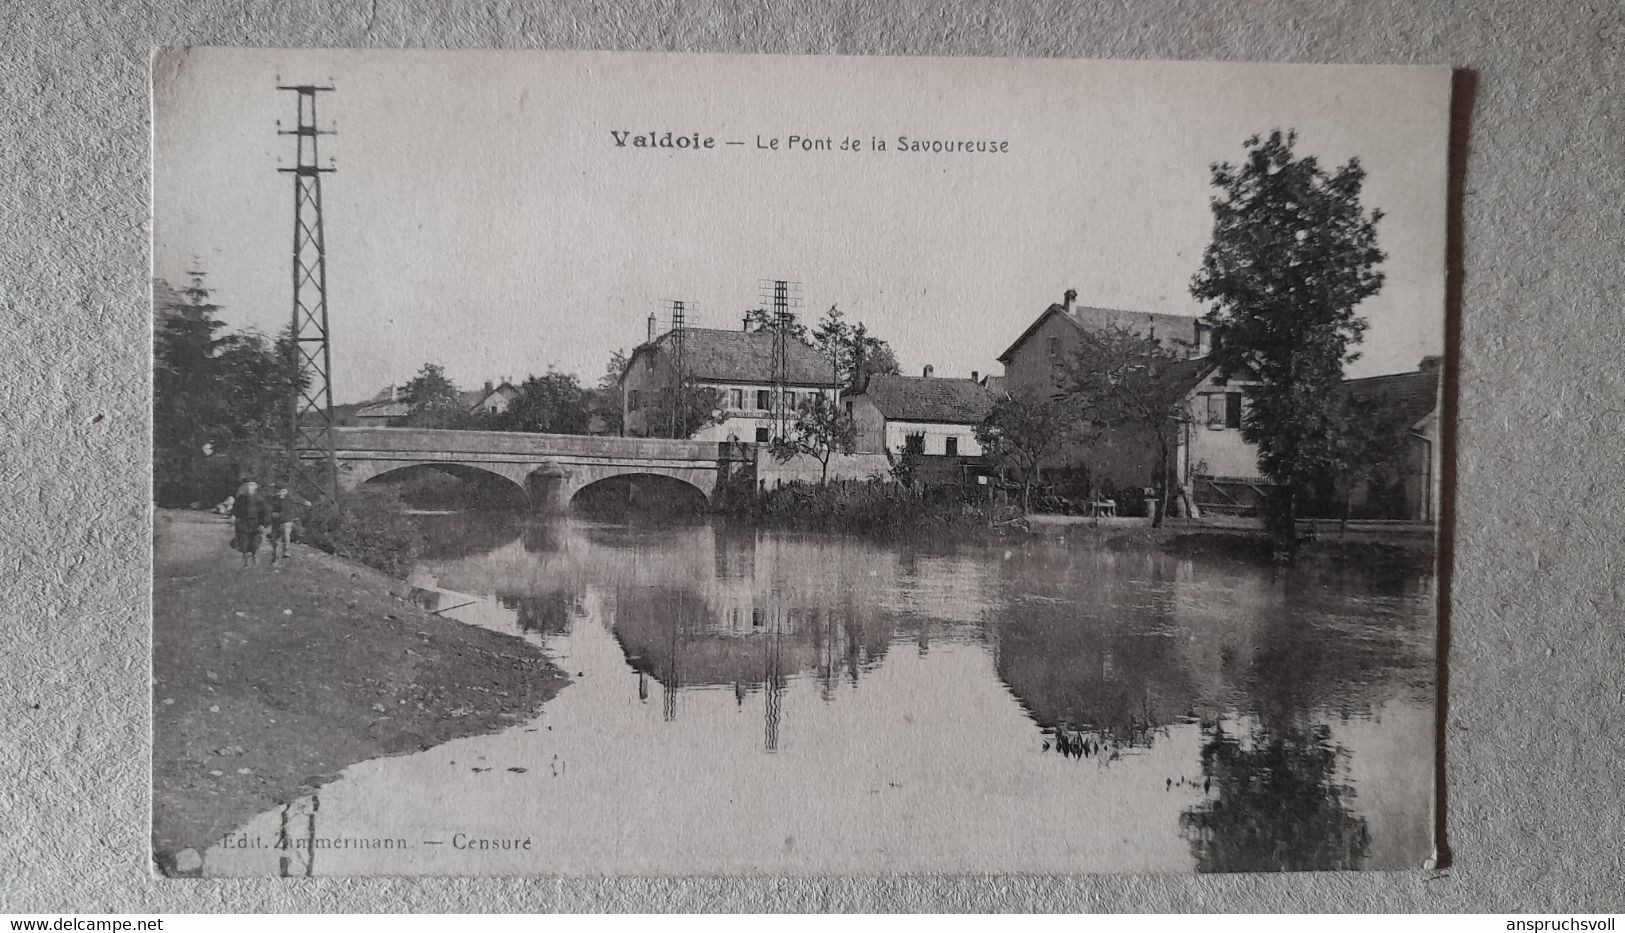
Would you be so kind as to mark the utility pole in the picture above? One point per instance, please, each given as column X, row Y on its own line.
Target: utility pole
column 784, row 295
column 312, row 466
column 679, row 399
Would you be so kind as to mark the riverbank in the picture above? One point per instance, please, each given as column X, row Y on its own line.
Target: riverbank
column 267, row 684
column 884, row 512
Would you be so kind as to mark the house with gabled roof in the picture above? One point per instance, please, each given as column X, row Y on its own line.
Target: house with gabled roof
column 926, row 414
column 737, row 363
column 492, row 399
column 1213, row 461
column 390, row 408
column 1413, row 400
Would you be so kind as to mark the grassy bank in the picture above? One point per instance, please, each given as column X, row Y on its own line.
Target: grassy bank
column 888, row 511
column 267, row 684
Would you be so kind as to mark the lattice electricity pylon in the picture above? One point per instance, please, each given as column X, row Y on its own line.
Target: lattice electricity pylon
column 679, row 327
column 312, row 465
column 783, row 295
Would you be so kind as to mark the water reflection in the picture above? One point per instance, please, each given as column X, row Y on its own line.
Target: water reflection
column 1277, row 803
column 941, row 705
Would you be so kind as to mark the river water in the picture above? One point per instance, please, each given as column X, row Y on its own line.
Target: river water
column 790, row 703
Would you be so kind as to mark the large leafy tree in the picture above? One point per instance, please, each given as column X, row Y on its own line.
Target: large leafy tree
column 853, row 352
column 1118, row 379
column 1370, row 446
column 1293, row 254
column 821, row 430
column 683, row 409
column 605, row 401
column 760, row 320
column 1020, row 430
column 221, row 402
column 552, row 403
column 434, row 398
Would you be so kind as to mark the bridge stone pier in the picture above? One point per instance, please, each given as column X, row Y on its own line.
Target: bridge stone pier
column 546, row 469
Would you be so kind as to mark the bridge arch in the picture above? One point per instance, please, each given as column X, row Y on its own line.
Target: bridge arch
column 493, row 483
column 623, row 490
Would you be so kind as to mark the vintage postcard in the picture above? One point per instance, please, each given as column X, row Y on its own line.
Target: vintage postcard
column 652, row 464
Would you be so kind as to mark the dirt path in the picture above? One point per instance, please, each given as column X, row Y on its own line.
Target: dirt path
column 267, row 683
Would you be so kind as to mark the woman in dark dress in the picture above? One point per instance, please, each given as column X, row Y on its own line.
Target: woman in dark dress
column 250, row 516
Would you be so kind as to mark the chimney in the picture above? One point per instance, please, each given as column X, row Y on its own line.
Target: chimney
column 1204, row 340
column 929, row 369
column 1069, row 299
column 651, row 327
column 489, row 385
column 975, row 376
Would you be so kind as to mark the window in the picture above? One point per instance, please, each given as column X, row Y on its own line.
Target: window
column 951, row 447
column 764, row 400
column 736, row 399
column 1224, row 410
column 761, row 435
column 790, row 401
column 914, row 444
column 634, row 399
column 1053, row 344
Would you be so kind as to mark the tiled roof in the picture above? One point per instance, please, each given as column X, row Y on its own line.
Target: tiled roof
column 1175, row 331
column 1188, row 374
column 1411, row 395
column 743, row 356
column 940, row 400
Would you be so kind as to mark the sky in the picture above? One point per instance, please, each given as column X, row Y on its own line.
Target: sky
column 482, row 216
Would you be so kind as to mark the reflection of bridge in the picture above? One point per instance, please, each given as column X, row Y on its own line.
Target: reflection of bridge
column 547, row 469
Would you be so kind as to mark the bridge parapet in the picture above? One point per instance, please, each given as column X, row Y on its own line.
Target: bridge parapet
column 541, row 446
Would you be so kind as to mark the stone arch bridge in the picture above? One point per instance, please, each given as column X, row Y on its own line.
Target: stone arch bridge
column 547, row 469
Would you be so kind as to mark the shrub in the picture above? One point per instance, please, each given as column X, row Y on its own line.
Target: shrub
column 867, row 507
column 370, row 526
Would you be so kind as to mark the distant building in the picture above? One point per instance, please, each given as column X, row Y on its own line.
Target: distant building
column 492, row 399
column 924, row 414
column 738, row 363
column 390, row 409
column 387, row 409
column 1412, row 489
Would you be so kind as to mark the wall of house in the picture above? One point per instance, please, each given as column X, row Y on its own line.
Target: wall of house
column 771, row 473
column 871, row 424
column 1213, row 446
column 744, row 420
column 497, row 401
column 1031, row 368
column 646, row 375
column 742, row 402
column 936, row 437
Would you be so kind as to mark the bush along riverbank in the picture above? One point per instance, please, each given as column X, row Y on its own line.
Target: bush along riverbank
column 267, row 684
column 872, row 508
column 889, row 510
column 369, row 526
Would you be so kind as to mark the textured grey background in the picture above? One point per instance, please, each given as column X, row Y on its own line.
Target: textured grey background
column 1532, row 737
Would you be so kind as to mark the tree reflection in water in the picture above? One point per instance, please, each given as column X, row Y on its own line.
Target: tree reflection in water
column 549, row 613
column 1274, row 804
column 453, row 535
